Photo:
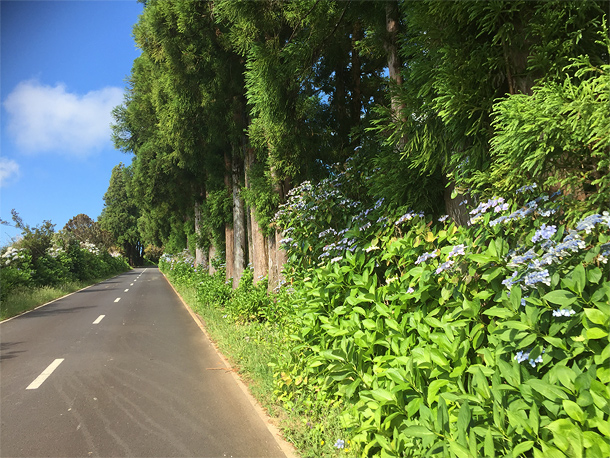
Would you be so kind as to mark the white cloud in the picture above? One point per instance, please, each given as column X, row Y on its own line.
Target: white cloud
column 9, row 170
column 49, row 119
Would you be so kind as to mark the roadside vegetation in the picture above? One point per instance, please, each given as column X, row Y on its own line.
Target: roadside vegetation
column 43, row 265
column 410, row 336
column 393, row 215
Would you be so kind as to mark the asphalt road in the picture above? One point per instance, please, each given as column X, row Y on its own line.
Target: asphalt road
column 121, row 369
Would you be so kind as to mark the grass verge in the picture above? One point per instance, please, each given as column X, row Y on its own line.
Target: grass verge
column 252, row 348
column 24, row 299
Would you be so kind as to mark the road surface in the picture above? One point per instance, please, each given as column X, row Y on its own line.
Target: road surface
column 121, row 369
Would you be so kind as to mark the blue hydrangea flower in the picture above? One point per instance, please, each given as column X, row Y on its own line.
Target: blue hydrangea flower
column 444, row 266
column 521, row 356
column 544, row 233
column 538, row 277
column 424, row 257
column 456, row 250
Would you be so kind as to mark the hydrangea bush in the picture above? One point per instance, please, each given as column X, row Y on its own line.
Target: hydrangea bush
column 57, row 264
column 490, row 339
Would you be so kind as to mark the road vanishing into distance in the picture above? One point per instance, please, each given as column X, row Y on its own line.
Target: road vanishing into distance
column 122, row 369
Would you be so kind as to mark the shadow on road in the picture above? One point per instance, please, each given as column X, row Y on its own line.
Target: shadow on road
column 7, row 352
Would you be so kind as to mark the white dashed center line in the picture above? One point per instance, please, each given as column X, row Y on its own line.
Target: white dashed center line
column 45, row 374
column 117, row 299
column 99, row 318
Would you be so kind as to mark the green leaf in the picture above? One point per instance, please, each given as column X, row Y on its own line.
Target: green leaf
column 442, row 416
column 551, row 392
column 567, row 436
column 579, row 277
column 522, row 448
column 596, row 316
column 498, row 311
column 574, row 410
column 596, row 333
column 463, row 422
column 382, row 395
column 417, row 431
column 560, row 297
column 459, row 450
column 594, row 275
column 488, row 446
column 433, row 389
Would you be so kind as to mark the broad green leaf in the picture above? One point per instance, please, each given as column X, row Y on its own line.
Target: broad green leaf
column 442, row 416
column 463, row 422
column 433, row 389
column 551, row 392
column 459, row 450
column 501, row 312
column 579, row 277
column 594, row 275
column 560, row 297
column 597, row 333
column 596, row 316
column 567, row 436
column 417, row 431
column 522, row 448
column 488, row 446
column 574, row 410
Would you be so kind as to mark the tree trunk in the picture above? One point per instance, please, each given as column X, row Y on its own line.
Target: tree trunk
column 211, row 255
column 259, row 257
column 356, row 105
column 456, row 208
column 201, row 253
column 239, row 219
column 391, row 47
column 229, row 239
column 277, row 257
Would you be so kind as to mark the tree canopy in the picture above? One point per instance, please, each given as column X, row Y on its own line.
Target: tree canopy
column 233, row 103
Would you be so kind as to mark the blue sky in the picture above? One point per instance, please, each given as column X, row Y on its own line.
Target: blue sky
column 64, row 66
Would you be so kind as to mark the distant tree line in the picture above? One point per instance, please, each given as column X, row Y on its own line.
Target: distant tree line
column 231, row 104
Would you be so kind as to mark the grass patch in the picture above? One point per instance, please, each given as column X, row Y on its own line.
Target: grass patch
column 24, row 299
column 253, row 348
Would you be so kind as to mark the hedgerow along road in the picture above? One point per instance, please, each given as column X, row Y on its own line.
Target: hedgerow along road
column 122, row 369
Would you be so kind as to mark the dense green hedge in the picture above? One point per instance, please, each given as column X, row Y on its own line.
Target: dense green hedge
column 56, row 265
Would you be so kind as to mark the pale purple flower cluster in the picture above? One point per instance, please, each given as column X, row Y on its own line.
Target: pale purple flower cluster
column 589, row 223
column 527, row 188
column 544, row 233
column 424, row 257
column 521, row 356
column 408, row 216
column 520, row 259
column 456, row 250
column 510, row 281
column 444, row 266
column 538, row 277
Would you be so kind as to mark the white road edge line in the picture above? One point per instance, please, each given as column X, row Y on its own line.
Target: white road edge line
column 99, row 318
column 117, row 299
column 45, row 374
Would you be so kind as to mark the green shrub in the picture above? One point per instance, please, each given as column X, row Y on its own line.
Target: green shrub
column 487, row 340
